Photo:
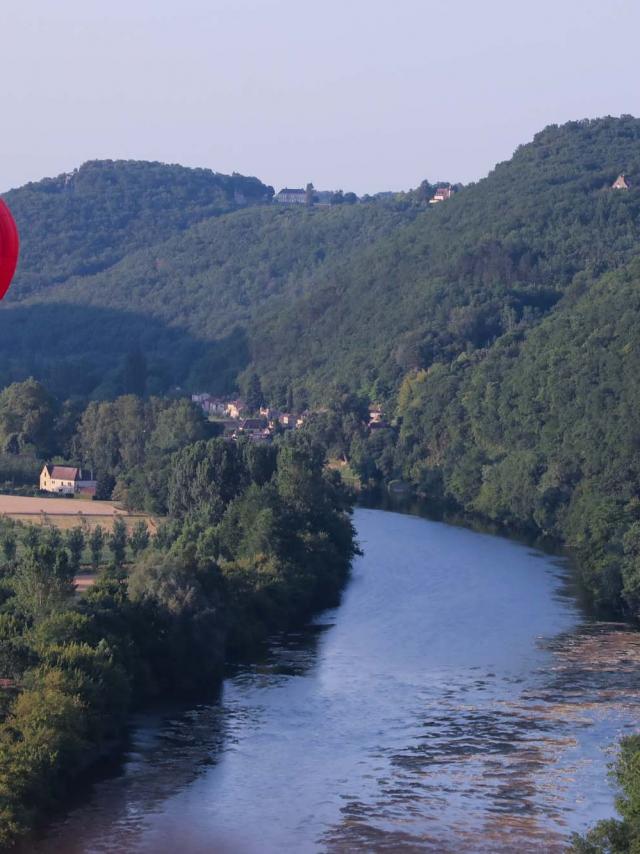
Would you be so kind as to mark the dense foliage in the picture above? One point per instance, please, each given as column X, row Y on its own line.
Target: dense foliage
column 258, row 538
column 541, row 432
column 355, row 293
column 183, row 301
column 498, row 330
column 85, row 221
column 619, row 836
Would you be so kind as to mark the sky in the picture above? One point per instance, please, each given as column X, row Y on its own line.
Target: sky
column 359, row 95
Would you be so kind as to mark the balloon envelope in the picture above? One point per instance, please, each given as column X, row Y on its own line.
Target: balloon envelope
column 9, row 248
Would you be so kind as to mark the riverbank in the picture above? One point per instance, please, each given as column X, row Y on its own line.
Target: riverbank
column 408, row 502
column 458, row 700
column 265, row 542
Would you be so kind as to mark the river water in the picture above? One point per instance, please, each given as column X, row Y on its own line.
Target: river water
column 457, row 701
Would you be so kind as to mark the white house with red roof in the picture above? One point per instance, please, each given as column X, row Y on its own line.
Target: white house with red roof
column 66, row 480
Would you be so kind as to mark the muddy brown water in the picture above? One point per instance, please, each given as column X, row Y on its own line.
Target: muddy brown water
column 458, row 700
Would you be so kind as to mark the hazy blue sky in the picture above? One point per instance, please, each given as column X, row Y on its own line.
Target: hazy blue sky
column 358, row 94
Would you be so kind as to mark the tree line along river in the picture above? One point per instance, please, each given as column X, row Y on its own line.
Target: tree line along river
column 458, row 700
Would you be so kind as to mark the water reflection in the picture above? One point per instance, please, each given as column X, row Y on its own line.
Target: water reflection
column 458, row 700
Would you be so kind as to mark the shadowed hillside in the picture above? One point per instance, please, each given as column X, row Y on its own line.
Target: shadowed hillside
column 360, row 294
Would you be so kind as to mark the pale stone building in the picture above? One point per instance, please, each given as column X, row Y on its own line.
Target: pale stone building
column 66, row 480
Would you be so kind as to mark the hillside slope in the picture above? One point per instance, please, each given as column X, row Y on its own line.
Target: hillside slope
column 497, row 256
column 87, row 220
column 542, row 432
column 500, row 327
column 188, row 302
column 357, row 294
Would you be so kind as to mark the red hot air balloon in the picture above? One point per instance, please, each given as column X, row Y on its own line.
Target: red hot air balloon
column 9, row 248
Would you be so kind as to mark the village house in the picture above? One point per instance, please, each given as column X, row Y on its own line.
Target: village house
column 66, row 480
column 270, row 413
column 210, row 405
column 291, row 197
column 376, row 419
column 217, row 407
column 248, row 424
column 441, row 195
column 254, row 429
column 264, row 435
column 375, row 414
column 621, row 183
column 229, row 428
column 287, row 419
column 235, row 408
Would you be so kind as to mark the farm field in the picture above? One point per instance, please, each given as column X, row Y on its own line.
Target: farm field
column 65, row 513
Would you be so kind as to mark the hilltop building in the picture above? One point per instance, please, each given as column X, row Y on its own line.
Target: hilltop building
column 441, row 195
column 620, row 183
column 210, row 405
column 66, row 480
column 291, row 197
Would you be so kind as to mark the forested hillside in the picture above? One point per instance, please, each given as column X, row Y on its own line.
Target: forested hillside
column 87, row 220
column 190, row 303
column 497, row 256
column 122, row 255
column 499, row 328
column 541, row 431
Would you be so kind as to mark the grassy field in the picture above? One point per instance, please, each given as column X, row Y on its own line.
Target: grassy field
column 65, row 513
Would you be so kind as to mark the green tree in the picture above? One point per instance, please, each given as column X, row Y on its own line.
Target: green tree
column 75, row 544
column 253, row 395
column 96, row 544
column 117, row 541
column 180, row 596
column 9, row 545
column 139, row 539
column 204, row 477
column 27, row 412
column 31, row 536
column 42, row 582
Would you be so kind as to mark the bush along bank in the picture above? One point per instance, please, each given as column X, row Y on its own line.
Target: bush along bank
column 258, row 538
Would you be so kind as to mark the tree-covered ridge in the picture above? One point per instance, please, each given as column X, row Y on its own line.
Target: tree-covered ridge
column 188, row 303
column 541, row 431
column 87, row 220
column 499, row 254
column 358, row 293
column 220, row 272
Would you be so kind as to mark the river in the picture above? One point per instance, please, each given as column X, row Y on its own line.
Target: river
column 458, row 700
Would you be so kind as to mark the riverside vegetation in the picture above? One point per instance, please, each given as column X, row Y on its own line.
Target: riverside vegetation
column 256, row 539
column 498, row 329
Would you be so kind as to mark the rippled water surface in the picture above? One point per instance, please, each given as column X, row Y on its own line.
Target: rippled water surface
column 457, row 701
